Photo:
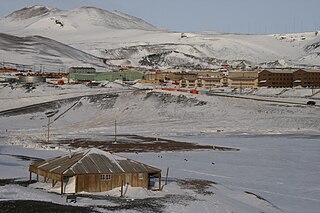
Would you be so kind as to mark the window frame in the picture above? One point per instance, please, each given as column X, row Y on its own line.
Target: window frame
column 105, row 177
column 140, row 176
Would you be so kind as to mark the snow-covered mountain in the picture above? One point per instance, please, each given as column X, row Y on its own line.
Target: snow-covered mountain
column 43, row 18
column 126, row 40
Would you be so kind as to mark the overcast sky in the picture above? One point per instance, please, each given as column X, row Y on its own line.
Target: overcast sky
column 239, row 16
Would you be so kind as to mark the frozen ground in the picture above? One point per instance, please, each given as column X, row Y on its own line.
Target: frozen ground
column 276, row 169
column 282, row 169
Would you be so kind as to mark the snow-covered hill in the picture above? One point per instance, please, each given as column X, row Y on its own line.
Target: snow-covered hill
column 43, row 50
column 126, row 40
column 44, row 18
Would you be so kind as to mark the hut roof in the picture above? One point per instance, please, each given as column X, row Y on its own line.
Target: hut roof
column 93, row 161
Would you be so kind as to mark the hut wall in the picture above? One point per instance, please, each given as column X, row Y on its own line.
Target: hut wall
column 80, row 183
column 93, row 183
column 46, row 174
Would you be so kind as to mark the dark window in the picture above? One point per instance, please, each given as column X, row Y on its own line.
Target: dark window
column 105, row 177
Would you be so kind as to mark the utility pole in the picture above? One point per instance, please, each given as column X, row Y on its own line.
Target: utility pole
column 115, row 130
column 48, row 129
column 49, row 115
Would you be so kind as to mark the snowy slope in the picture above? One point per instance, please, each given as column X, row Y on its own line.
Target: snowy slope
column 43, row 50
column 164, row 113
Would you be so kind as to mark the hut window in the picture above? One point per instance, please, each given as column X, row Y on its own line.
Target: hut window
column 105, row 177
column 140, row 175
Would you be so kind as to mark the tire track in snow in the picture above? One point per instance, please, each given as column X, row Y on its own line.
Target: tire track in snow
column 276, row 193
column 202, row 173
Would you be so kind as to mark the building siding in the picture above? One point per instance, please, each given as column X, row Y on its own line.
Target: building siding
column 92, row 182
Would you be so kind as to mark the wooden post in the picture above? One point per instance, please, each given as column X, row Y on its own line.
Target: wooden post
column 122, row 182
column 159, row 175
column 76, row 185
column 167, row 176
column 37, row 178
column 61, row 185
column 52, row 183
column 30, row 176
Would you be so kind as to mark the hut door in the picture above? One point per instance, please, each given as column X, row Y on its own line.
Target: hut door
column 128, row 179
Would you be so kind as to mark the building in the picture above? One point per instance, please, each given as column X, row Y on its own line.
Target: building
column 178, row 76
column 151, row 76
column 188, row 83
column 289, row 78
column 82, row 70
column 243, row 79
column 209, row 82
column 306, row 78
column 276, row 78
column 124, row 76
column 94, row 170
column 107, row 76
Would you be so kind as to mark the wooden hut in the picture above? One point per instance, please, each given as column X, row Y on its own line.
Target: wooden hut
column 94, row 170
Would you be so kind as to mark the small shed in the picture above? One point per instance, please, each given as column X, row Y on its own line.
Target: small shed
column 94, row 170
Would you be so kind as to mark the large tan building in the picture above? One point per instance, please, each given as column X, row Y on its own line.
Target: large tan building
column 209, row 82
column 243, row 79
column 177, row 76
column 188, row 83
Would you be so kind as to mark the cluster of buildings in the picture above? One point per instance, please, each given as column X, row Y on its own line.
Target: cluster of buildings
column 237, row 79
column 199, row 79
column 206, row 79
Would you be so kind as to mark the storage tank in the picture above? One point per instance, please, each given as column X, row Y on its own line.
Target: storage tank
column 32, row 79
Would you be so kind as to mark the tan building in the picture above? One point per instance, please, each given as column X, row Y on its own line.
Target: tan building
column 209, row 82
column 151, row 76
column 243, row 79
column 94, row 170
column 188, row 83
column 210, row 74
column 157, row 82
column 177, row 76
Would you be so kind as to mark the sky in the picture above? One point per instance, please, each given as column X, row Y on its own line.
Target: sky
column 234, row 16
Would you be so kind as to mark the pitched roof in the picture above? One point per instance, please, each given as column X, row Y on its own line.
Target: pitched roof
column 93, row 161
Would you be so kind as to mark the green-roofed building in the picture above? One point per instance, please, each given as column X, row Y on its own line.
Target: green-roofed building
column 107, row 76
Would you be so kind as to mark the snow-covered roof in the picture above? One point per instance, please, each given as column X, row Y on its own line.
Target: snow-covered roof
column 93, row 161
